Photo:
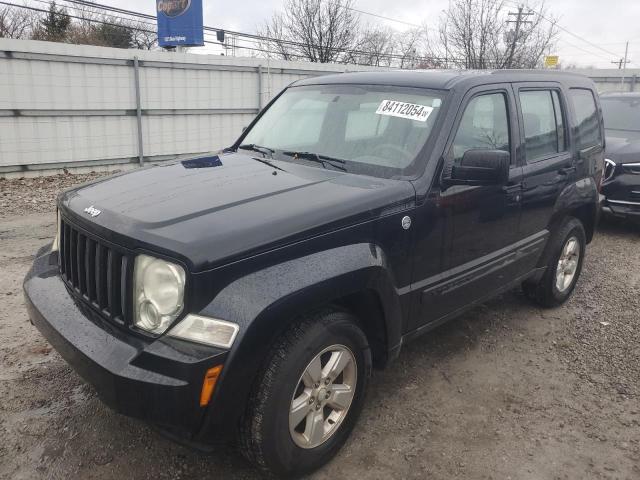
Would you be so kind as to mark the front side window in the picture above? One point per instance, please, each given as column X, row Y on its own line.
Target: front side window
column 543, row 124
column 369, row 129
column 587, row 122
column 484, row 125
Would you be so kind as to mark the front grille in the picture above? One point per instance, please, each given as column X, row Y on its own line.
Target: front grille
column 631, row 168
column 634, row 196
column 96, row 272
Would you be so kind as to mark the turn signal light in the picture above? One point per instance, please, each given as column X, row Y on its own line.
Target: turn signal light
column 209, row 384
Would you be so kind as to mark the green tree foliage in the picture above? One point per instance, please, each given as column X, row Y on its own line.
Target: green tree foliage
column 54, row 25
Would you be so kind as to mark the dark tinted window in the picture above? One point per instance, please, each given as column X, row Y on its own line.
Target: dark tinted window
column 543, row 123
column 484, row 125
column 621, row 113
column 587, row 124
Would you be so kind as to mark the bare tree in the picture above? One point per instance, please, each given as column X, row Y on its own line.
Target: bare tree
column 412, row 47
column 143, row 35
column 376, row 46
column 481, row 34
column 277, row 45
column 315, row 30
column 16, row 22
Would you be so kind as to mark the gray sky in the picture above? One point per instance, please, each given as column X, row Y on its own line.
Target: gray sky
column 606, row 23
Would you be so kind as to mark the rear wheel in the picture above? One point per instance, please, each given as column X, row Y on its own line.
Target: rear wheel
column 309, row 395
column 564, row 264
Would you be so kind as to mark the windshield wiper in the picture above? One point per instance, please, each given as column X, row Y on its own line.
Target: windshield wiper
column 324, row 160
column 257, row 148
column 267, row 162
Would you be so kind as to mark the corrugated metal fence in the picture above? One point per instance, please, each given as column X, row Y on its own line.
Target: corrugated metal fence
column 67, row 105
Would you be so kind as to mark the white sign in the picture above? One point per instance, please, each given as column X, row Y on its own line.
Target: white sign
column 411, row 111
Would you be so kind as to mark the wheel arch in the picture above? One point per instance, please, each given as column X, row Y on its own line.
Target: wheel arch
column 264, row 303
column 579, row 200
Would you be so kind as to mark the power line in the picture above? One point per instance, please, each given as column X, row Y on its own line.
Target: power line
column 41, row 10
column 554, row 22
column 252, row 38
column 383, row 17
column 259, row 38
column 589, row 52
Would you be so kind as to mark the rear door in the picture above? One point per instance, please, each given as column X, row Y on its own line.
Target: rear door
column 588, row 133
column 548, row 162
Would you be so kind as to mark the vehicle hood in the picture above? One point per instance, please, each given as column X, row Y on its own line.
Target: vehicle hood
column 211, row 210
column 623, row 146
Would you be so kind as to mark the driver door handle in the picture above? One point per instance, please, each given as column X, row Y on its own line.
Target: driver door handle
column 515, row 188
column 514, row 193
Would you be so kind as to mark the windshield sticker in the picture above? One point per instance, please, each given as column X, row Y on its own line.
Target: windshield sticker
column 411, row 111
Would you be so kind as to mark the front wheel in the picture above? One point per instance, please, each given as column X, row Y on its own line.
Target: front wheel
column 309, row 395
column 566, row 252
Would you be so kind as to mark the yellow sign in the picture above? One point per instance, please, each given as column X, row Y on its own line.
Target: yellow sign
column 551, row 61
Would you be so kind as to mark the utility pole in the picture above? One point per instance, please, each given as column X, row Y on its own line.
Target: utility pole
column 519, row 21
column 624, row 65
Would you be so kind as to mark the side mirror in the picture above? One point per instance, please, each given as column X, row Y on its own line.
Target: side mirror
column 481, row 167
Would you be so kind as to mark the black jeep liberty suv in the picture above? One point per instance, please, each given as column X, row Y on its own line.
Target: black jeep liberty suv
column 246, row 295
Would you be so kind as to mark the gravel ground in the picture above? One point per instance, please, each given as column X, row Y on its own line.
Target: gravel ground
column 19, row 196
column 506, row 391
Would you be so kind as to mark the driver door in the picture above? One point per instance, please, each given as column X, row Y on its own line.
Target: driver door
column 481, row 222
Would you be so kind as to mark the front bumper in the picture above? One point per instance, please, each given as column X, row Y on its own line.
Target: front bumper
column 622, row 196
column 158, row 380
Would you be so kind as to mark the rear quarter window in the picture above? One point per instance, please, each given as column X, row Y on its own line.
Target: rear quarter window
column 587, row 127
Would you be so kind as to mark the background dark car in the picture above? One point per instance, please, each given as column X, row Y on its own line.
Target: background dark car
column 621, row 185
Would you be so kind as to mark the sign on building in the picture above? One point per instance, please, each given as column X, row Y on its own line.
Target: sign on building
column 180, row 23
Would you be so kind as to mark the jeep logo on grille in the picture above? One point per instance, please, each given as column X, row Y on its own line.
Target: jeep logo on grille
column 93, row 211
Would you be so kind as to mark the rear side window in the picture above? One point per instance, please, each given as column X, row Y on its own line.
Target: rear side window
column 484, row 125
column 587, row 122
column 543, row 123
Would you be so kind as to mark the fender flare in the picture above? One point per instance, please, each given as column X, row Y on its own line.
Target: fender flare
column 575, row 196
column 263, row 303
column 582, row 194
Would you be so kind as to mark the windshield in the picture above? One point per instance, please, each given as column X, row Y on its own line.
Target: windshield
column 621, row 113
column 369, row 129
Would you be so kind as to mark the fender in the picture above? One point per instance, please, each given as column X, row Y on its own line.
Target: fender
column 580, row 199
column 265, row 302
column 581, row 196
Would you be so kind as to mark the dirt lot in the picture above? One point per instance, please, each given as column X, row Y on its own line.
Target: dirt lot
column 506, row 391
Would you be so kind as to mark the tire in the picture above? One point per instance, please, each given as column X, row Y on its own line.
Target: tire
column 546, row 292
column 266, row 437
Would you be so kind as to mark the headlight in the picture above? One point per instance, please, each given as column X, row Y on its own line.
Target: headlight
column 158, row 292
column 56, row 240
column 209, row 331
column 609, row 169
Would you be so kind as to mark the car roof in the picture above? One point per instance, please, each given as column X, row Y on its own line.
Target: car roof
column 448, row 79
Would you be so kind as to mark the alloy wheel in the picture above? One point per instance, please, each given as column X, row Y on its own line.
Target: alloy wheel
column 568, row 264
column 323, row 396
